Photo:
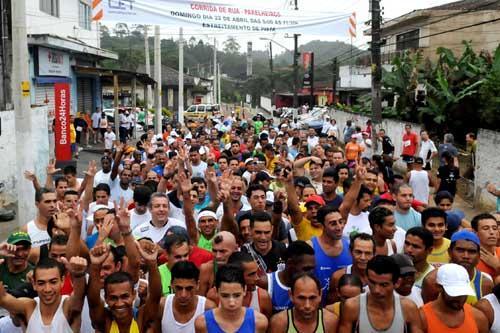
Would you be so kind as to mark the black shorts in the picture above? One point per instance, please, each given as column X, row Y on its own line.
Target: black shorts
column 408, row 159
column 427, row 166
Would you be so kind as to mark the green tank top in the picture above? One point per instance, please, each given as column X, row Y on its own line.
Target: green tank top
column 165, row 279
column 291, row 325
column 204, row 243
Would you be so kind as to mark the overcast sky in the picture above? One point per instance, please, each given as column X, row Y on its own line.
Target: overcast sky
column 391, row 9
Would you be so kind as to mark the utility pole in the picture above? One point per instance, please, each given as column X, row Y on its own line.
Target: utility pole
column 215, row 71
column 218, row 86
column 157, row 46
column 311, row 73
column 180, row 116
column 147, row 92
column 295, row 65
column 376, row 63
column 271, row 67
column 22, row 109
column 335, row 79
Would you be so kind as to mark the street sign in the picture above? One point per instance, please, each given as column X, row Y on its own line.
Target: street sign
column 62, row 131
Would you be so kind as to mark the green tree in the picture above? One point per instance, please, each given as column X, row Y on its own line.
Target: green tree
column 231, row 45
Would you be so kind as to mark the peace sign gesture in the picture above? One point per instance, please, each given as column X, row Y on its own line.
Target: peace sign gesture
column 123, row 216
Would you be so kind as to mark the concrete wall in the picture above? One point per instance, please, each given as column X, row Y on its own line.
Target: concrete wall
column 393, row 128
column 488, row 167
column 39, row 152
column 67, row 24
column 357, row 76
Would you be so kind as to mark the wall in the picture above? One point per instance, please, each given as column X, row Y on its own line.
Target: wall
column 39, row 152
column 358, row 76
column 488, row 167
column 393, row 128
column 65, row 25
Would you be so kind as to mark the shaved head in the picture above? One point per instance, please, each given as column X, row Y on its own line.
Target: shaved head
column 224, row 244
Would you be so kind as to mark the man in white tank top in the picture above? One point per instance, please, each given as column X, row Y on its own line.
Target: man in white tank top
column 46, row 203
column 420, row 181
column 50, row 311
column 178, row 311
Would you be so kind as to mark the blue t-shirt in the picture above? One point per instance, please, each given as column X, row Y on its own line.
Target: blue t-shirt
column 158, row 169
column 409, row 220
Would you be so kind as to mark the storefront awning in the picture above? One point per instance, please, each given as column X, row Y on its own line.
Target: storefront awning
column 107, row 73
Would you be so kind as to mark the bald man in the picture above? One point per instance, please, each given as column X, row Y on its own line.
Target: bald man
column 223, row 245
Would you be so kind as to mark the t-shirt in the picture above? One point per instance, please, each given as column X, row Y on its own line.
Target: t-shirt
column 199, row 170
column 448, row 176
column 109, row 138
column 305, row 230
column 102, row 178
column 449, row 148
column 426, row 149
column 352, row 151
column 273, row 257
column 96, row 118
column 485, row 268
column 205, row 243
column 410, row 142
column 12, row 281
column 335, row 202
column 200, row 256
column 138, row 219
column 154, row 233
column 357, row 224
column 117, row 192
column 439, row 256
column 408, row 220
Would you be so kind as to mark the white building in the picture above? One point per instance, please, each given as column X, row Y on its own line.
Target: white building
column 63, row 38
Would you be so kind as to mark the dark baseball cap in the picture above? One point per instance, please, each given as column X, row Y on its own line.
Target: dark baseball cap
column 262, row 175
column 419, row 160
column 405, row 263
column 301, row 181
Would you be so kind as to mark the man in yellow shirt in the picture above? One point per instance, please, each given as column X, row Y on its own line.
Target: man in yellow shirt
column 434, row 220
column 307, row 226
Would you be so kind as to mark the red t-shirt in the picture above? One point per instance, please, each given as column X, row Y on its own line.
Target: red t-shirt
column 410, row 143
column 198, row 256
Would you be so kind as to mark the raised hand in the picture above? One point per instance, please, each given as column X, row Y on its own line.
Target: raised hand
column 98, row 254
column 211, row 175
column 91, row 169
column 77, row 266
column 185, row 184
column 29, row 175
column 123, row 216
column 148, row 251
column 106, row 226
column 7, row 250
column 63, row 221
column 51, row 167
column 75, row 217
column 360, row 172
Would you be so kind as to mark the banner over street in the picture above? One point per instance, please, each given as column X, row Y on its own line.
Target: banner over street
column 221, row 17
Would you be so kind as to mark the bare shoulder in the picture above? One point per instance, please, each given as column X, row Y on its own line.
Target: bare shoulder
column 279, row 322
column 200, row 324
column 338, row 274
column 24, row 228
column 408, row 305
column 330, row 322
column 486, row 285
column 350, row 309
column 260, row 322
column 481, row 320
column 209, row 304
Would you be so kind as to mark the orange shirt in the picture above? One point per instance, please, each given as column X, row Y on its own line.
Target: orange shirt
column 483, row 267
column 435, row 325
column 352, row 151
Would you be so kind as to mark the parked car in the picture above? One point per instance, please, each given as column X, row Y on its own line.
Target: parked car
column 200, row 111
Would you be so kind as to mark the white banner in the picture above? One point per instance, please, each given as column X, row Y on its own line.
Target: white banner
column 221, row 17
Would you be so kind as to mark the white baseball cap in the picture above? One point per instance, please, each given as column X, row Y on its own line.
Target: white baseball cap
column 455, row 280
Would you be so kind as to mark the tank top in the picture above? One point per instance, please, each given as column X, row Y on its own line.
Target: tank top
column 327, row 265
column 493, row 300
column 364, row 322
column 348, row 270
column 247, row 326
column 291, row 324
column 390, row 250
column 435, row 325
column 59, row 322
column 134, row 328
column 419, row 182
column 476, row 283
column 168, row 322
column 255, row 301
column 278, row 292
column 38, row 236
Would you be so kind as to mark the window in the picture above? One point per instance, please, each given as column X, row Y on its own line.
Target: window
column 408, row 40
column 84, row 15
column 50, row 7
